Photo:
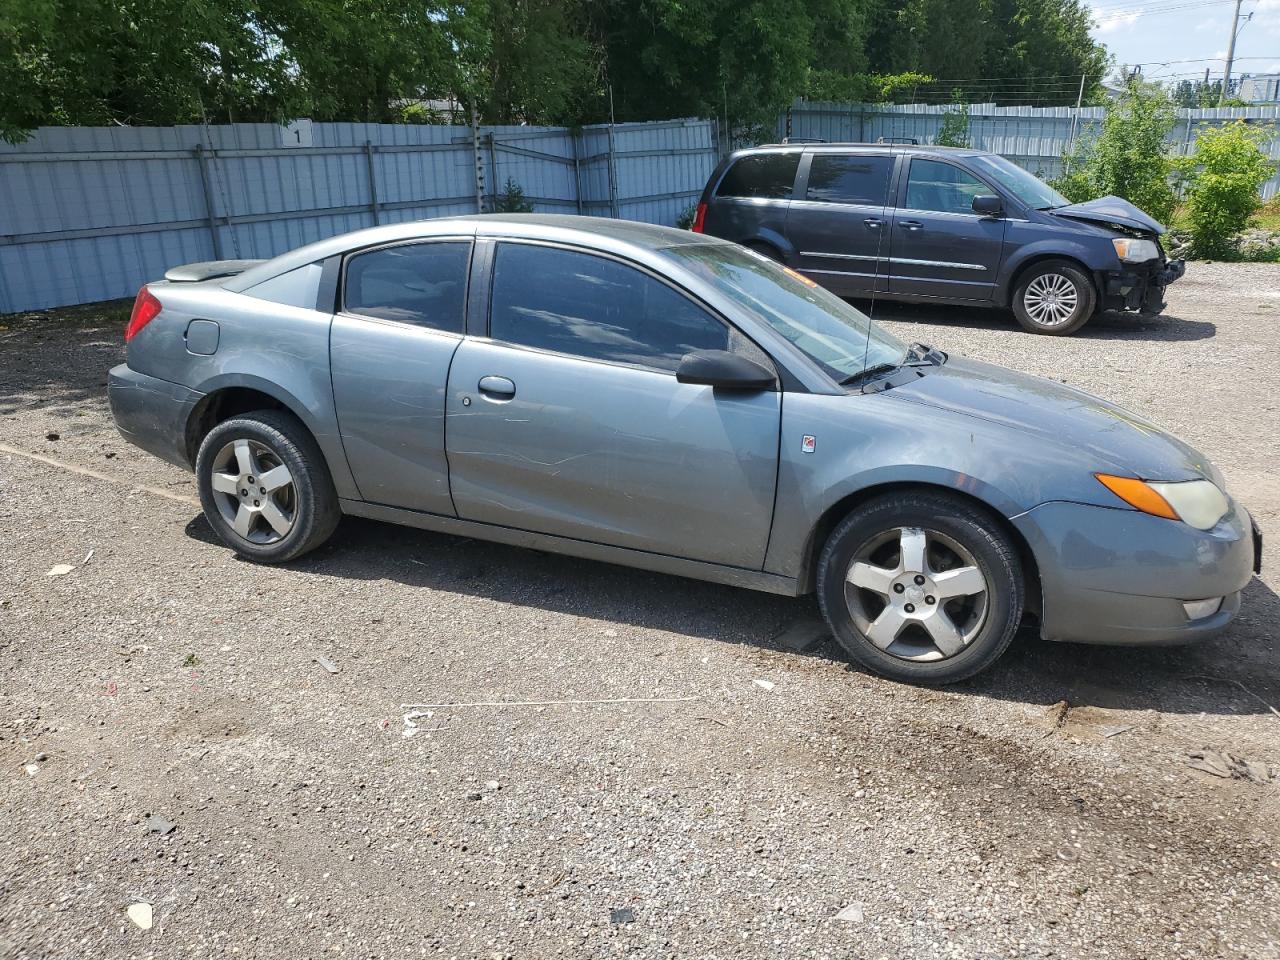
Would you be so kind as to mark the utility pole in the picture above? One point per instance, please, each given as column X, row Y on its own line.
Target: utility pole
column 1231, row 53
column 1075, row 119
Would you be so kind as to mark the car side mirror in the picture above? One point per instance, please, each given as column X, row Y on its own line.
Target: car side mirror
column 724, row 370
column 988, row 206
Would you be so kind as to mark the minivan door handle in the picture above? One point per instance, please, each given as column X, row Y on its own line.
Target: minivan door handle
column 496, row 388
column 911, row 224
column 873, row 223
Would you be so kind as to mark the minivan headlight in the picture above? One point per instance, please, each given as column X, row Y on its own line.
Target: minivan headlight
column 1197, row 503
column 1130, row 250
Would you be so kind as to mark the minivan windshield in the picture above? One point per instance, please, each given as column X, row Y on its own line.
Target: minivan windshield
column 840, row 338
column 1026, row 186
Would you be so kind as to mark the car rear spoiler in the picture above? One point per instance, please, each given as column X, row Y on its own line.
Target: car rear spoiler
column 209, row 270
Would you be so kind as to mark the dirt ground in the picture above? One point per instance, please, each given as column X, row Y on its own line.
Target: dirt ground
column 162, row 676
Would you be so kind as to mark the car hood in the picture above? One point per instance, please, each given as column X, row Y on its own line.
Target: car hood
column 1102, row 434
column 1107, row 210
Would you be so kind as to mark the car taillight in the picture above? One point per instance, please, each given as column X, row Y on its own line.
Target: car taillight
column 145, row 309
column 700, row 218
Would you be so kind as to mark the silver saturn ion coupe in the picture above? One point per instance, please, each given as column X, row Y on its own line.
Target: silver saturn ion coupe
column 656, row 398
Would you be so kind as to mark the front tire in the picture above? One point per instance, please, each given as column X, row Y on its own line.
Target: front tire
column 265, row 488
column 921, row 587
column 1055, row 297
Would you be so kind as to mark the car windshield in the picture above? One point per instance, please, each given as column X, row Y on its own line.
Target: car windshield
column 840, row 338
column 1026, row 186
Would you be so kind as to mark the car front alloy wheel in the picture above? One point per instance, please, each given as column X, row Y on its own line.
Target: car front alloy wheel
column 923, row 586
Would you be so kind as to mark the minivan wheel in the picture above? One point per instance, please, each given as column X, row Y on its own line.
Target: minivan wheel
column 265, row 488
column 921, row 587
column 1055, row 297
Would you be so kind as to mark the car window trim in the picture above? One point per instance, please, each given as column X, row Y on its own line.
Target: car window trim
column 348, row 256
column 635, row 265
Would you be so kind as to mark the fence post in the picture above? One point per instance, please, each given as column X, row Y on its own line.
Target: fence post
column 478, row 158
column 493, row 171
column 202, row 161
column 575, row 137
column 373, row 182
column 613, row 177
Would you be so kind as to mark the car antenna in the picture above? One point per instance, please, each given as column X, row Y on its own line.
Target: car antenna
column 875, row 275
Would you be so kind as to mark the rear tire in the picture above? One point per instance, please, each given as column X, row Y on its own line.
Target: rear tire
column 921, row 587
column 265, row 487
column 1055, row 297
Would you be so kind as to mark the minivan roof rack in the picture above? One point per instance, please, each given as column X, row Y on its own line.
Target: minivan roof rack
column 906, row 141
column 803, row 140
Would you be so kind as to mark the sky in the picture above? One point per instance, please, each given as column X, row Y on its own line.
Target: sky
column 1158, row 33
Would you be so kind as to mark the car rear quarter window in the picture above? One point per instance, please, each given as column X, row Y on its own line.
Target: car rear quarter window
column 761, row 175
column 849, row 179
column 424, row 284
column 942, row 187
column 595, row 308
column 297, row 288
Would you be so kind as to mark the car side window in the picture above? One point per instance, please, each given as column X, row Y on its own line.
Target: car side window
column 849, row 179
column 763, row 175
column 933, row 185
column 424, row 284
column 595, row 308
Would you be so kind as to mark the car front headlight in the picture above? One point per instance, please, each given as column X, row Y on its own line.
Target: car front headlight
column 1197, row 503
column 1130, row 250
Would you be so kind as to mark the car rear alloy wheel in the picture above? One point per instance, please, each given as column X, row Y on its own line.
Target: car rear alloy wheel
column 254, row 491
column 1054, row 297
column 923, row 586
column 265, row 488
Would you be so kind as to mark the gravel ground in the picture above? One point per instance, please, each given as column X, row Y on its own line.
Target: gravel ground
column 163, row 676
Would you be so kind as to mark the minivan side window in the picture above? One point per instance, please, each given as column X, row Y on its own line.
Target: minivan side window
column 933, row 185
column 765, row 175
column 424, row 284
column 849, row 179
column 595, row 308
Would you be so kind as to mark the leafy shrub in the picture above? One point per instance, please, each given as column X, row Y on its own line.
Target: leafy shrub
column 954, row 131
column 685, row 220
column 1223, row 178
column 512, row 199
column 1127, row 156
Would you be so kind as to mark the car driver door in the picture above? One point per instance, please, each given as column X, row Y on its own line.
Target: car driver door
column 568, row 418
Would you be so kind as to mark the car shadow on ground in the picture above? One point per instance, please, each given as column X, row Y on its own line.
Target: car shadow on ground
column 1105, row 326
column 1202, row 678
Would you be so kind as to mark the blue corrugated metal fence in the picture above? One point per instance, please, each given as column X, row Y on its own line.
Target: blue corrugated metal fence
column 1033, row 137
column 90, row 214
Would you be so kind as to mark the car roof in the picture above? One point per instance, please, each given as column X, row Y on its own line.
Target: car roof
column 837, row 146
column 618, row 236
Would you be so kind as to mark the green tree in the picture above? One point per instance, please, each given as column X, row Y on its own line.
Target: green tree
column 1223, row 178
column 1127, row 157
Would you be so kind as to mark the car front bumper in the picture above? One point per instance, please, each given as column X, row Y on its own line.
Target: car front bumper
column 1140, row 286
column 1122, row 577
column 152, row 413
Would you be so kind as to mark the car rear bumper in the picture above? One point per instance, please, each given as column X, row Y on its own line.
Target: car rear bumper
column 152, row 413
column 1141, row 286
column 1123, row 577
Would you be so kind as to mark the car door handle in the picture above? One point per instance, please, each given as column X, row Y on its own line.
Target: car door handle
column 873, row 223
column 496, row 388
column 911, row 224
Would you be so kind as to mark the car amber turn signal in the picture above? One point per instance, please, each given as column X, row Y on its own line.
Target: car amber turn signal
column 1138, row 495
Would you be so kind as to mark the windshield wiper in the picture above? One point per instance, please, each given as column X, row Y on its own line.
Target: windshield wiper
column 874, row 370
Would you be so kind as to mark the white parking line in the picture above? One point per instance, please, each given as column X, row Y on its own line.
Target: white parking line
column 86, row 472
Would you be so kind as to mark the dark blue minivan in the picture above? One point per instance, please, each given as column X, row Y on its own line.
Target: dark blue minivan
column 939, row 224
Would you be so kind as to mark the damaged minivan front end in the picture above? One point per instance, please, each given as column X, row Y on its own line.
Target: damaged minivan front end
column 1142, row 270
